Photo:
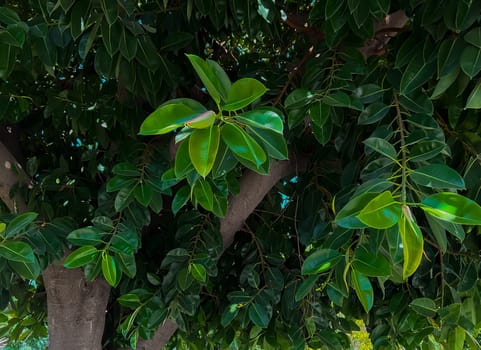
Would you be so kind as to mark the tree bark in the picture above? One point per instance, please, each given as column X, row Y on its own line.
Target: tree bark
column 253, row 188
column 76, row 309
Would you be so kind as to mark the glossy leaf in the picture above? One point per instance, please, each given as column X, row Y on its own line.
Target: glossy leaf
column 444, row 83
column 203, row 147
column 201, row 121
column 262, row 118
column 273, row 142
column 370, row 264
column 305, row 287
column 19, row 223
column 166, row 118
column 130, row 300
column 474, row 37
column 181, row 197
column 259, row 315
column 143, row 193
column 319, row 261
column 416, row 74
column 381, row 212
column 207, row 75
column 471, row 61
column 16, row 251
column 203, row 194
column 242, row 144
column 348, row 215
column 373, row 113
column 109, row 269
column 86, row 236
column 453, row 208
column 198, row 272
column 412, row 241
column 381, row 146
column 474, row 99
column 80, row 257
column 128, row 45
column 28, row 270
column 437, row 176
column 229, row 314
column 242, row 93
column 424, row 306
column 363, row 288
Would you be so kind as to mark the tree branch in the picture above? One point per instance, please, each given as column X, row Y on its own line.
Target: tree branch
column 253, row 188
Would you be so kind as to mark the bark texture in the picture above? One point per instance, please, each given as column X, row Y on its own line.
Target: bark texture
column 76, row 309
column 253, row 188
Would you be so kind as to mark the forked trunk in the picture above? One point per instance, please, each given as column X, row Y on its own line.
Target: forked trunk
column 76, row 309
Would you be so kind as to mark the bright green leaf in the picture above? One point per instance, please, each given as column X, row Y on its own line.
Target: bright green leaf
column 347, row 217
column 242, row 93
column 203, row 147
column 17, row 251
column 453, row 208
column 80, row 257
column 363, row 288
column 201, row 121
column 109, row 269
column 262, row 118
column 319, row 261
column 207, row 75
column 242, row 144
column 412, row 241
column 381, row 212
column 166, row 118
column 198, row 272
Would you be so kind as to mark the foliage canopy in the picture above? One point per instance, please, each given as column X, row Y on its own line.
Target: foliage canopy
column 137, row 122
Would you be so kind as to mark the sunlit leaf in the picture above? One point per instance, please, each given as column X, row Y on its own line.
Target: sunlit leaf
column 381, row 212
column 363, row 288
column 452, row 207
column 412, row 241
column 319, row 261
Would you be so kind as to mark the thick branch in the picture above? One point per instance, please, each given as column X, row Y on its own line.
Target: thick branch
column 10, row 170
column 253, row 188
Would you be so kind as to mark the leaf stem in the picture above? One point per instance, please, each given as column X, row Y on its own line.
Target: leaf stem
column 403, row 149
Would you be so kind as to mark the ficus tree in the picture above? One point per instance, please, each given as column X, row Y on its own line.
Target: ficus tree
column 209, row 174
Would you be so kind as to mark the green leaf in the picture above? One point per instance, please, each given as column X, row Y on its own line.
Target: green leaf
column 80, row 257
column 370, row 264
column 203, row 147
column 143, row 193
column 125, row 240
column 17, row 251
column 381, row 212
column 180, row 199
column 86, row 236
column 166, row 118
column 111, row 36
column 259, row 315
column 453, row 208
column 381, row 146
column 424, row 306
column 416, row 74
column 348, row 215
column 110, row 10
column 183, row 164
column 207, row 75
column 230, row 312
column 448, row 56
column 369, row 93
column 305, row 287
column 262, row 118
column 130, row 300
column 332, row 8
column 456, row 338
column 319, row 113
column 425, row 150
column 7, row 60
column 417, row 102
column 242, row 93
column 201, row 121
column 340, row 99
column 473, row 37
column 198, row 272
column 373, row 113
column 273, row 142
column 19, row 224
column 471, row 61
column 203, row 194
column 363, row 288
column 8, row 16
column 412, row 241
column 109, row 269
column 176, row 41
column 437, row 176
column 444, row 83
column 128, row 45
column 28, row 270
column 474, row 99
column 242, row 144
column 126, row 169
column 319, row 261
column 127, row 264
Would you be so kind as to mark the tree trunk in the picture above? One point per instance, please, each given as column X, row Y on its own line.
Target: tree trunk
column 76, row 309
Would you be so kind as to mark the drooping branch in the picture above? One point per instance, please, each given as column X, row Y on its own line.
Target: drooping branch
column 253, row 188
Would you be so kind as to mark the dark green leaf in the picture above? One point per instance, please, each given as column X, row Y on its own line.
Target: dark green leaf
column 373, row 113
column 305, row 287
column 370, row 264
column 474, row 99
column 19, row 224
column 230, row 312
column 129, row 300
column 471, row 61
column 143, row 193
column 417, row 102
column 273, row 142
column 424, row 306
column 474, row 37
column 86, row 236
column 128, row 45
column 28, row 270
column 381, row 146
column 180, row 199
column 242, row 144
column 259, row 315
column 110, row 9
column 111, row 36
column 363, row 288
column 203, row 194
column 17, row 251
column 444, row 83
column 437, row 176
column 176, row 41
column 319, row 261
column 126, row 169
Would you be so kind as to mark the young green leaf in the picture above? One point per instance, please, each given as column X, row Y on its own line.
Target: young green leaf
column 203, row 194
column 207, row 75
column 203, row 147
column 452, row 207
column 80, row 257
column 347, row 217
column 242, row 93
column 363, row 288
column 319, row 261
column 202, row 121
column 412, row 241
column 262, row 118
column 166, row 118
column 242, row 144
column 130, row 300
column 381, row 212
column 109, row 269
